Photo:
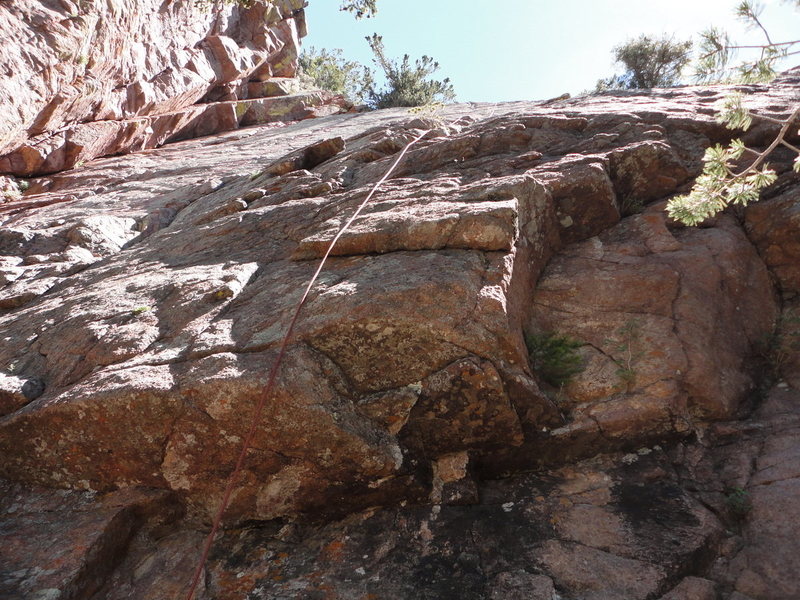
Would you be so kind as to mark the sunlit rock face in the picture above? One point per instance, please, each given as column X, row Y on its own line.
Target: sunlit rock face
column 411, row 447
column 87, row 78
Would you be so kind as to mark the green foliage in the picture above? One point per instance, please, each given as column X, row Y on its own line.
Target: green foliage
column 717, row 51
column 649, row 62
column 738, row 502
column 328, row 70
column 140, row 310
column 733, row 114
column 555, row 357
column 630, row 204
column 626, row 350
column 407, row 85
column 428, row 110
column 360, row 8
column 720, row 184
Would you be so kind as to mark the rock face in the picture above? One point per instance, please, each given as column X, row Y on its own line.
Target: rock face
column 83, row 79
column 411, row 448
column 650, row 305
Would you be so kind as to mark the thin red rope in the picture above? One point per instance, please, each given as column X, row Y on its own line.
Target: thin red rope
column 267, row 391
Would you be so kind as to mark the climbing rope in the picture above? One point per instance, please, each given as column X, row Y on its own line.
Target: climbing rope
column 267, row 390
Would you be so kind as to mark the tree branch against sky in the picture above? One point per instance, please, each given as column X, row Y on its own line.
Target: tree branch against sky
column 360, row 8
column 526, row 50
column 727, row 177
column 761, row 54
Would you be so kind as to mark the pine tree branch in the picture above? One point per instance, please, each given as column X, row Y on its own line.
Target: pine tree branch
column 775, row 143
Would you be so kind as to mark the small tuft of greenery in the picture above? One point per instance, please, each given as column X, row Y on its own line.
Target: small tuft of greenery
column 738, row 502
column 9, row 194
column 625, row 350
column 140, row 310
column 222, row 294
column 427, row 110
column 12, row 189
column 555, row 357
column 207, row 4
column 630, row 205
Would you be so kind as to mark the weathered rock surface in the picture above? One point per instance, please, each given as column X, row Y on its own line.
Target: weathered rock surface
column 85, row 79
column 772, row 225
column 661, row 316
column 581, row 530
column 66, row 544
column 410, row 450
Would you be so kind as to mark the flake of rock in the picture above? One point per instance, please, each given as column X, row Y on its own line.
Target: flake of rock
column 692, row 588
column 64, row 544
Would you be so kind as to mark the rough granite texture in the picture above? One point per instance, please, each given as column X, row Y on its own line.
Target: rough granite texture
column 410, row 449
column 85, row 78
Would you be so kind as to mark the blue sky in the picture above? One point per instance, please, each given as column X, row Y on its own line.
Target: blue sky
column 528, row 49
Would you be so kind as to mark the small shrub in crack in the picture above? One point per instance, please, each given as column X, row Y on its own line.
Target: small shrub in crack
column 738, row 503
column 555, row 357
column 625, row 350
column 630, row 205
